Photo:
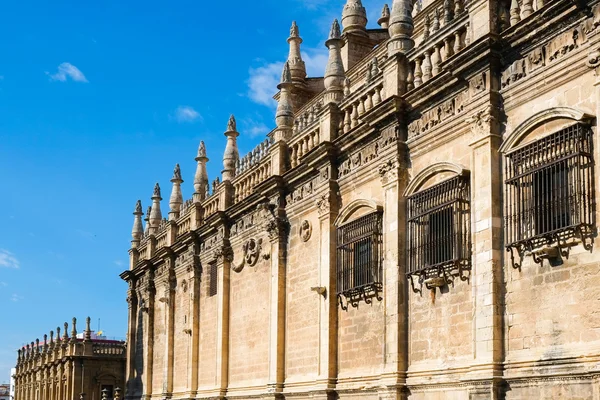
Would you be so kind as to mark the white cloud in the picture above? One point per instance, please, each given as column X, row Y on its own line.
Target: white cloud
column 263, row 81
column 3, row 284
column 186, row 114
column 315, row 60
column 15, row 298
column 119, row 263
column 8, row 259
column 67, row 70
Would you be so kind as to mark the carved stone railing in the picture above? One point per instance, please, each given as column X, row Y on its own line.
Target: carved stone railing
column 441, row 32
column 308, row 116
column 360, row 102
column 244, row 184
column 307, row 141
column 512, row 12
column 211, row 205
column 109, row 349
column 162, row 238
column 253, row 158
column 184, row 222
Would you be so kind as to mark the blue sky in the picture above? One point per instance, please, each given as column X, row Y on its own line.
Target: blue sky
column 98, row 101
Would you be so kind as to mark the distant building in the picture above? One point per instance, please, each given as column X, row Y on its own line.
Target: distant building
column 5, row 391
column 68, row 366
column 13, row 371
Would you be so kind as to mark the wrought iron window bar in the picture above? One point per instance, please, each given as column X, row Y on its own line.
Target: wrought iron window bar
column 550, row 196
column 359, row 260
column 439, row 238
column 213, row 279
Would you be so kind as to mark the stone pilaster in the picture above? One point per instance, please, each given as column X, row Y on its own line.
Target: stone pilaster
column 223, row 258
column 132, row 306
column 327, row 204
column 276, row 224
column 147, row 307
column 168, row 298
column 487, row 278
column 394, row 180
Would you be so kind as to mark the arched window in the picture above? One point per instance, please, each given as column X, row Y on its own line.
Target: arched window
column 438, row 219
column 550, row 194
column 359, row 245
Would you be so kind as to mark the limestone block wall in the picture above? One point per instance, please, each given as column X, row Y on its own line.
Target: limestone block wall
column 302, row 325
column 207, row 358
column 183, row 339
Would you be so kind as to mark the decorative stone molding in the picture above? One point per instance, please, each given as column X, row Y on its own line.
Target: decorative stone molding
column 305, row 191
column 389, row 171
column 438, row 114
column 483, row 122
column 593, row 61
column 423, row 176
column 514, row 138
column 223, row 253
column 275, row 224
column 305, row 230
column 323, row 204
column 347, row 212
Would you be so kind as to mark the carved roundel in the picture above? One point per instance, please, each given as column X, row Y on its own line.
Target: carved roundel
column 305, row 230
column 252, row 250
column 184, row 286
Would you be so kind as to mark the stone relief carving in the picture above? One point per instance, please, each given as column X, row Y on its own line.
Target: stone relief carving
column 275, row 224
column 305, row 230
column 305, row 191
column 435, row 116
column 389, row 171
column 252, row 251
column 223, row 253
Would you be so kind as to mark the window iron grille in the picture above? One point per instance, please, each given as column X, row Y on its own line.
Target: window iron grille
column 550, row 195
column 439, row 239
column 359, row 260
column 213, row 279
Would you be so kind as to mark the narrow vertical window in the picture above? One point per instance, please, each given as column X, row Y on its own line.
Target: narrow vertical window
column 213, row 279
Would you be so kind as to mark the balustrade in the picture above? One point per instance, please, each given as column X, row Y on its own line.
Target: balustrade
column 211, row 205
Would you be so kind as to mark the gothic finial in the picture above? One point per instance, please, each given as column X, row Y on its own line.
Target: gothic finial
column 284, row 116
column 335, row 32
column 201, row 176
column 296, row 64
column 294, row 31
column 37, row 346
column 354, row 18
column 231, row 125
column 231, row 154
column 177, row 173
column 155, row 213
column 138, row 230
column 65, row 334
column 384, row 20
column 202, row 149
column 51, row 338
column 45, row 341
column 334, row 72
column 58, row 334
column 88, row 329
column 74, row 329
column 176, row 199
column 156, row 191
column 286, row 75
column 401, row 27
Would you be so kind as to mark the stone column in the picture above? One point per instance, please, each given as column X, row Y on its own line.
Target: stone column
column 132, row 305
column 327, row 205
column 394, row 280
column 69, row 381
column 223, row 258
column 76, row 375
column 277, row 227
column 487, row 277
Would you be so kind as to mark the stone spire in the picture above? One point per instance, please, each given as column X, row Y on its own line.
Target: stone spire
column 147, row 219
column 176, row 199
column 74, row 330
column 155, row 214
column 65, row 334
column 231, row 155
column 51, row 339
column 45, row 343
column 401, row 27
column 384, row 20
column 201, row 177
column 138, row 230
column 297, row 66
column 284, row 116
column 37, row 346
column 354, row 18
column 88, row 330
column 57, row 334
column 334, row 73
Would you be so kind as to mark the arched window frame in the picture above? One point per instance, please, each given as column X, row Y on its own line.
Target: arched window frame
column 438, row 227
column 359, row 253
column 549, row 187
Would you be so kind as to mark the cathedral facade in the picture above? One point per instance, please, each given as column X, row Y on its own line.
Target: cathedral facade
column 420, row 224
